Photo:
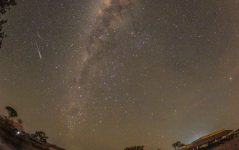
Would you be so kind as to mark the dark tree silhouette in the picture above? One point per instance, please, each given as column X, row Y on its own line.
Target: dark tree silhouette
column 5, row 5
column 11, row 112
column 177, row 145
column 135, row 148
column 39, row 136
column 174, row 145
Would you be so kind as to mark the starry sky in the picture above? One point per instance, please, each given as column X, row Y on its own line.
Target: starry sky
column 106, row 74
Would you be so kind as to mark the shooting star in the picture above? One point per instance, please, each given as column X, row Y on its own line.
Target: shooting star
column 39, row 52
column 39, row 36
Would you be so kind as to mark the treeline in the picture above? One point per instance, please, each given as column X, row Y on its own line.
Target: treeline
column 5, row 5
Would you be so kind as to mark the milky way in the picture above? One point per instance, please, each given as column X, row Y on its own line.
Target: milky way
column 98, row 44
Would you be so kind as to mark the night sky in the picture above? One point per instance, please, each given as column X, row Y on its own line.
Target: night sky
column 106, row 74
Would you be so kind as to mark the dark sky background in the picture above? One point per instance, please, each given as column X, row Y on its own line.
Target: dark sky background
column 102, row 74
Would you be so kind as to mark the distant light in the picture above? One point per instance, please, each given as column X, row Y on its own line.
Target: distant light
column 197, row 134
column 18, row 133
column 196, row 137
